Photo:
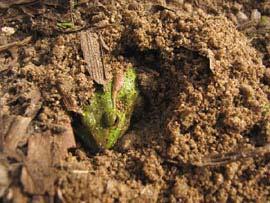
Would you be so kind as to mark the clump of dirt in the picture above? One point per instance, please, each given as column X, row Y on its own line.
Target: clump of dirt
column 206, row 93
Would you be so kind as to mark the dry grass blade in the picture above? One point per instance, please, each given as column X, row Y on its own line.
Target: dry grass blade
column 92, row 54
column 9, row 3
column 218, row 160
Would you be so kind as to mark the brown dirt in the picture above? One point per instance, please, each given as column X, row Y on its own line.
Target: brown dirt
column 206, row 89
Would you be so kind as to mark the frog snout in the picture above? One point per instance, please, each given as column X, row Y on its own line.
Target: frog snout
column 109, row 119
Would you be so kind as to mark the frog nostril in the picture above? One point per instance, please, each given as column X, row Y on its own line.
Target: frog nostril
column 109, row 119
column 116, row 120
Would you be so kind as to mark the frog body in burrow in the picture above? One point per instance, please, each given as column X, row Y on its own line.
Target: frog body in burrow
column 108, row 115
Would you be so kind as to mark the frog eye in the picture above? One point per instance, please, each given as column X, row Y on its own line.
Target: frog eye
column 109, row 119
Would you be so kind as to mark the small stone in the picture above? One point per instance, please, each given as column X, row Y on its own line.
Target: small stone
column 176, row 2
column 236, row 6
column 247, row 90
column 233, row 18
column 218, row 178
column 8, row 30
column 232, row 169
column 42, row 117
column 134, row 6
column 180, row 1
column 255, row 15
column 188, row 7
column 241, row 17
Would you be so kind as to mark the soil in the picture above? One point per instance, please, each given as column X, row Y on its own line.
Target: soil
column 202, row 133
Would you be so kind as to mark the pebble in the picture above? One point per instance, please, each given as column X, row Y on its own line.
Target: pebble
column 233, row 18
column 237, row 6
column 247, row 90
column 8, row 30
column 188, row 7
column 232, row 169
column 178, row 2
column 241, row 17
column 218, row 178
column 255, row 15
column 134, row 6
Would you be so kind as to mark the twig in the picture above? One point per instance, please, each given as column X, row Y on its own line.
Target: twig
column 218, row 160
column 16, row 43
column 8, row 3
column 80, row 171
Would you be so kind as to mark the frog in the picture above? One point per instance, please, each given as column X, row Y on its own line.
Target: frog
column 107, row 117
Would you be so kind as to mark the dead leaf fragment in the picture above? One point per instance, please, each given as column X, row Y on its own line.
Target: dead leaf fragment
column 61, row 143
column 45, row 151
column 15, row 128
column 37, row 175
column 4, row 178
column 92, row 55
column 17, row 132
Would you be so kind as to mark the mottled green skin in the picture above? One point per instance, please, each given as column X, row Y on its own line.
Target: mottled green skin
column 99, row 117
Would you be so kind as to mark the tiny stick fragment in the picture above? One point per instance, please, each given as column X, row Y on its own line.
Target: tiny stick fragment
column 16, row 43
column 92, row 54
column 9, row 3
column 234, row 156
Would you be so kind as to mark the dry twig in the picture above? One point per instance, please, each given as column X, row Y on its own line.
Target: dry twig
column 16, row 43
column 8, row 3
column 218, row 160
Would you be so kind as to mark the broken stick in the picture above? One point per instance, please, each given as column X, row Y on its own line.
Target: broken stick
column 16, row 43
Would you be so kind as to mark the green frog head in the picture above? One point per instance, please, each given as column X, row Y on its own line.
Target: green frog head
column 108, row 115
